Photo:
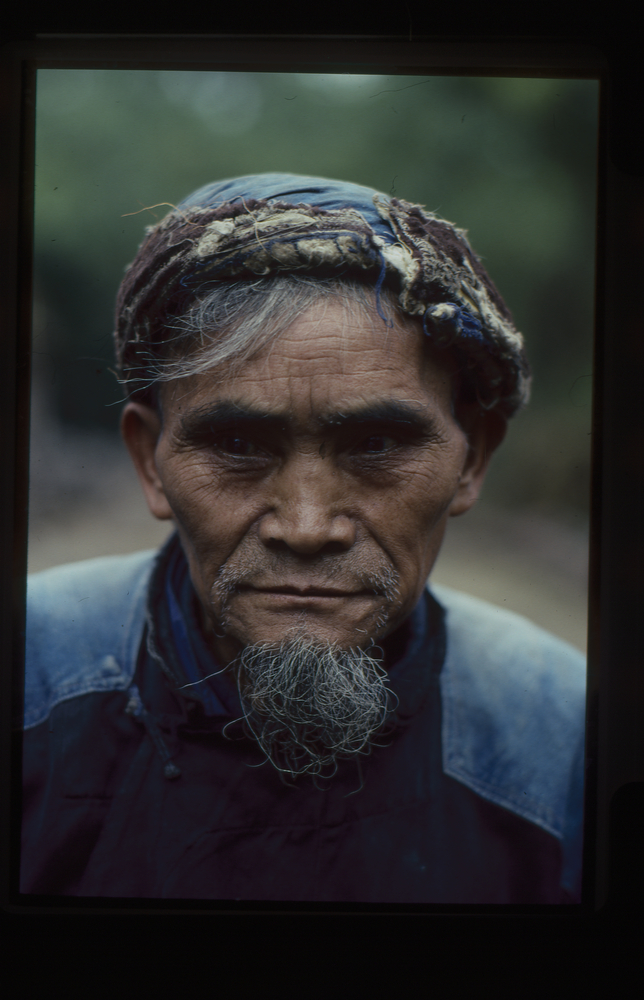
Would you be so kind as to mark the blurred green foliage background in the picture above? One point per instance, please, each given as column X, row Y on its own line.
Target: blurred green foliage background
column 513, row 161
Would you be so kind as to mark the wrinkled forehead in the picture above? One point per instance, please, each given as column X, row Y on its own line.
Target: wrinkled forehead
column 333, row 357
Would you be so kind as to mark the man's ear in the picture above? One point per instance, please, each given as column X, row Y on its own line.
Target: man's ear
column 140, row 428
column 485, row 432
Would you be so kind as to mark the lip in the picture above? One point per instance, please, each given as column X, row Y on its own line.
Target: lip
column 309, row 592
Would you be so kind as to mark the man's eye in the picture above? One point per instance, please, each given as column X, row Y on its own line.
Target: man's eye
column 376, row 444
column 234, row 445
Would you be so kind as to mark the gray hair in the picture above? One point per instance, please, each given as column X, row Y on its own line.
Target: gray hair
column 236, row 319
column 309, row 704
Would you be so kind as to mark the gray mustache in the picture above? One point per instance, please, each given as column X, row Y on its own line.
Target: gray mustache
column 344, row 572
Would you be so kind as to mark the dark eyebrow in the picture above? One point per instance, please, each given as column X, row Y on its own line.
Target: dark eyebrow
column 386, row 412
column 225, row 414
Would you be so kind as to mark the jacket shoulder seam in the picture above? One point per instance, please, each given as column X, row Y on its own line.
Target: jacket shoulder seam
column 95, row 650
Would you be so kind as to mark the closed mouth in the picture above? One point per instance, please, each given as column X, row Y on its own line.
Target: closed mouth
column 310, row 591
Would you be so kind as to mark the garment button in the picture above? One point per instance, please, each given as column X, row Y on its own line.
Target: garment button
column 110, row 667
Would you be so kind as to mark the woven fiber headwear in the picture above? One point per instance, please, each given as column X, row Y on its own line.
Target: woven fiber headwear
column 267, row 224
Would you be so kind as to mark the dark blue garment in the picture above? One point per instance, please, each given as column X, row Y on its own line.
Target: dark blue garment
column 103, row 820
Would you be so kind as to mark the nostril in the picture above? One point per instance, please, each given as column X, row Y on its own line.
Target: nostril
column 281, row 545
column 276, row 544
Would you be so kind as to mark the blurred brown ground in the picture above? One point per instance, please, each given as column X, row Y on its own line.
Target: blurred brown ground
column 85, row 501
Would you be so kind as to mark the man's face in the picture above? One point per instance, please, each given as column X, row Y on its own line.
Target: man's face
column 311, row 491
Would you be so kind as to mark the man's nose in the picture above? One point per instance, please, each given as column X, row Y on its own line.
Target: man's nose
column 308, row 512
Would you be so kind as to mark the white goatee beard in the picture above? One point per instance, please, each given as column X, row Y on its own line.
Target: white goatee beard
column 309, row 704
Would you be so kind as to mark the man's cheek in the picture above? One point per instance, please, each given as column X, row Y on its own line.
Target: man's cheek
column 195, row 498
column 409, row 515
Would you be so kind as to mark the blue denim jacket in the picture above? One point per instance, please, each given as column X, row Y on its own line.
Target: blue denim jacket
column 512, row 695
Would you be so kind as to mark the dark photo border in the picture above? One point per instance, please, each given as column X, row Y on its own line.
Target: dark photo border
column 615, row 707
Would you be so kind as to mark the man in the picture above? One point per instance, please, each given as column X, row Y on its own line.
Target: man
column 275, row 707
